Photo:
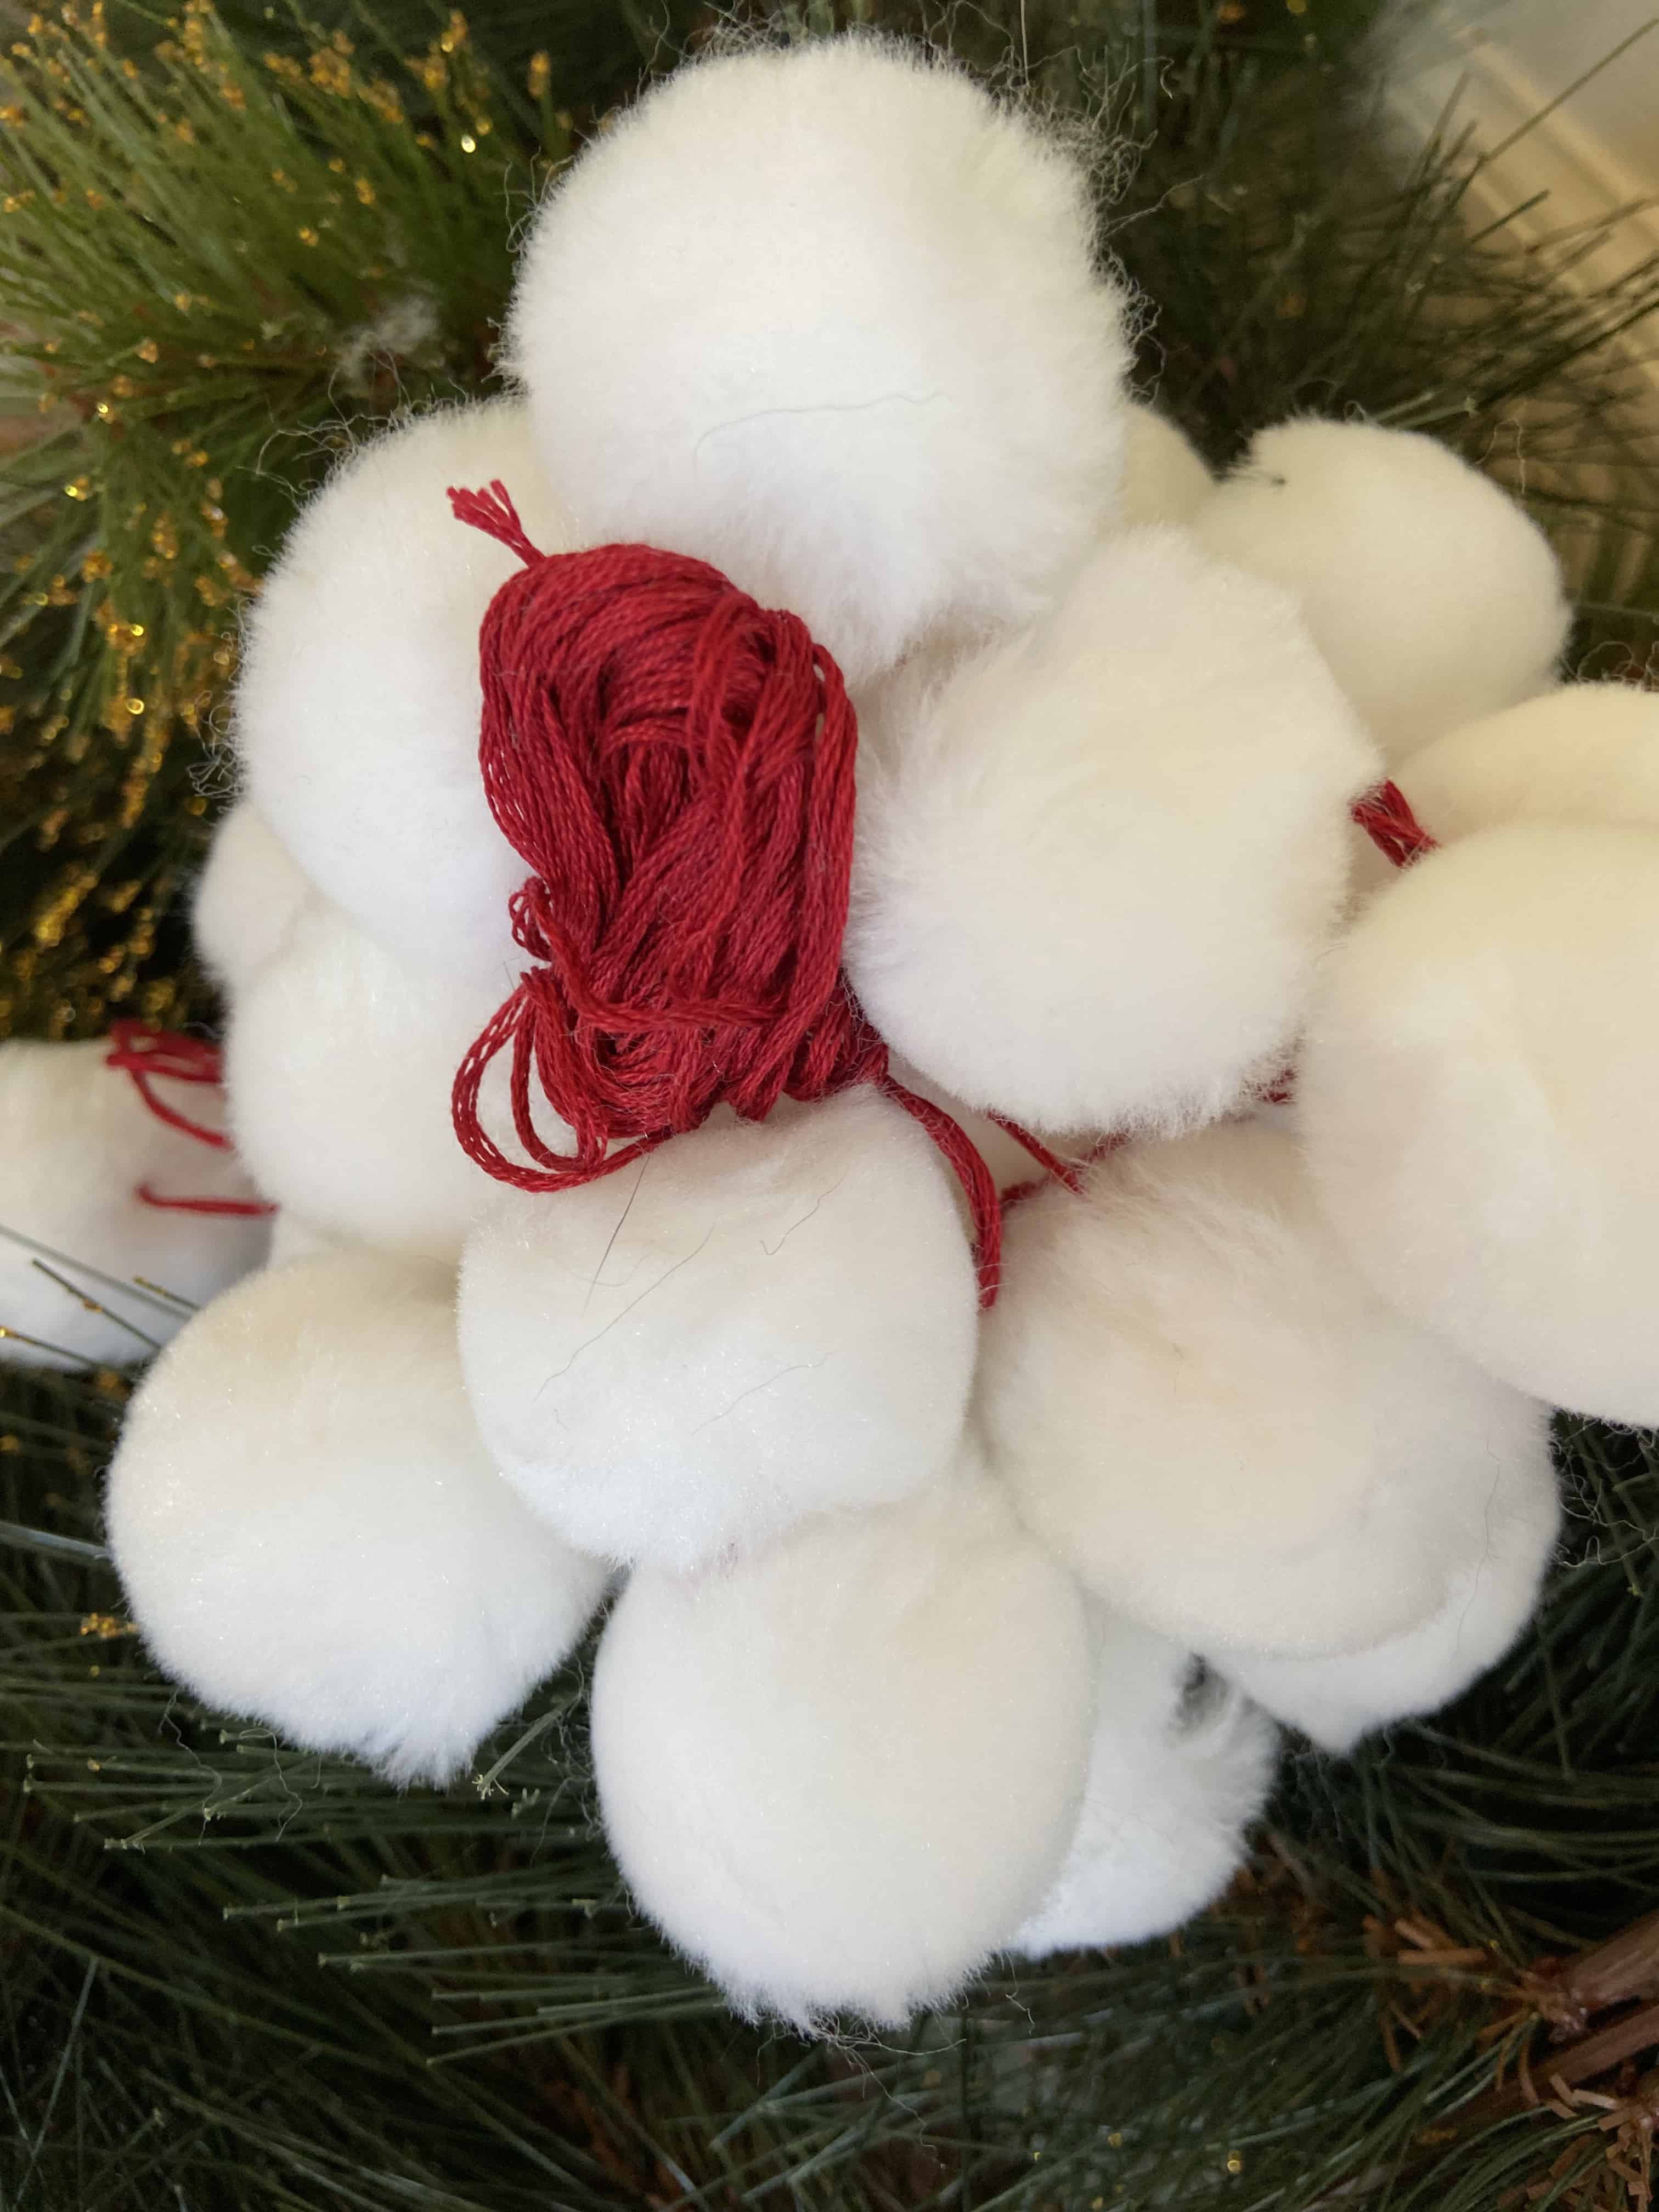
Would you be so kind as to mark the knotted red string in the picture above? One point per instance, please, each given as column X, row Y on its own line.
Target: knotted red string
column 675, row 766
column 146, row 1055
column 1385, row 815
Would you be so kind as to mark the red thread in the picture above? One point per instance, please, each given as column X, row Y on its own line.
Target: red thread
column 1066, row 1171
column 675, row 765
column 147, row 1054
column 1386, row 817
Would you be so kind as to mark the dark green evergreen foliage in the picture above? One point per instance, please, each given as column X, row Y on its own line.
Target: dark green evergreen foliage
column 233, row 1976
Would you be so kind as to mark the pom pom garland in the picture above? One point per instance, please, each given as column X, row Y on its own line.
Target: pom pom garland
column 1432, row 595
column 339, row 1066
column 309, row 1531
column 1177, row 1771
column 1587, row 752
column 675, row 765
column 1338, row 1698
column 558, row 855
column 1097, row 863
column 356, row 709
column 1475, row 1093
column 1210, row 1415
column 758, row 1322
column 841, row 1773
column 120, row 1204
column 834, row 319
column 1164, row 477
column 246, row 900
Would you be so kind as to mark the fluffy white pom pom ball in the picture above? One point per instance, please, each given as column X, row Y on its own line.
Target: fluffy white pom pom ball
column 1097, row 864
column 841, row 1773
column 77, row 1143
column 1165, row 478
column 759, row 1321
column 358, row 705
column 1477, row 1094
column 1177, row 1771
column 1205, row 1411
column 339, row 1064
column 1587, row 752
column 1338, row 1698
column 247, row 897
column 1427, row 588
column 309, row 1531
column 830, row 319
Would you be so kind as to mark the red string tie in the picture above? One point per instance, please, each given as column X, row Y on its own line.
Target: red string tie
column 674, row 763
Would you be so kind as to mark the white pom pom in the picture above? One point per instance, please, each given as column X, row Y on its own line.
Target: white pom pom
column 1426, row 587
column 1204, row 1410
column 309, row 1531
column 841, row 1773
column 758, row 1322
column 1336, row 1700
column 77, row 1143
column 358, row 706
column 1165, row 478
column 292, row 1238
column 1477, row 1093
column 1587, row 752
column 830, row 319
column 246, row 899
column 339, row 1064
column 1177, row 1771
column 1096, row 866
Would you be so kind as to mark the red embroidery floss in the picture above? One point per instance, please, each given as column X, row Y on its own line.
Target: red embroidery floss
column 148, row 1054
column 675, row 765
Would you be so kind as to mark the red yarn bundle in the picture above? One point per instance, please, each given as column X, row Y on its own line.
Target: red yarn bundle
column 675, row 765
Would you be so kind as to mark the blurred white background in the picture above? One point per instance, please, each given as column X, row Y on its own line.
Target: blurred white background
column 1565, row 92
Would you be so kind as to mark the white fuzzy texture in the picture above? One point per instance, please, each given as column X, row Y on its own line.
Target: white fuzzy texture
column 1427, row 588
column 1477, row 1093
column 1165, row 478
column 1208, row 1414
column 841, row 1773
column 357, row 709
column 831, row 320
column 1176, row 1777
column 1096, row 864
column 310, row 1533
column 1587, row 752
column 757, row 1322
column 76, row 1141
column 339, row 1064
column 294, row 1238
column 1337, row 1700
column 247, row 898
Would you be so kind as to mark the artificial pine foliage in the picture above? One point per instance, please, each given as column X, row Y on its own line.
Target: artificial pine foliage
column 232, row 1975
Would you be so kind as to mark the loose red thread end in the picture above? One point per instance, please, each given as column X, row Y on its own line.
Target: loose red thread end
column 148, row 1054
column 1061, row 1170
column 493, row 512
column 247, row 1208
